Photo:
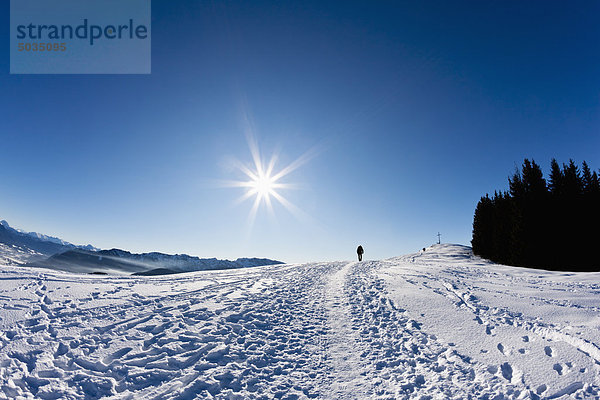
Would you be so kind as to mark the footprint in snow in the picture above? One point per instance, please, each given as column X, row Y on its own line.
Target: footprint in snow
column 507, row 371
column 558, row 368
column 541, row 389
column 500, row 348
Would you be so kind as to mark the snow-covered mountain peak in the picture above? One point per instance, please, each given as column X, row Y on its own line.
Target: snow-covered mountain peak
column 18, row 247
column 45, row 238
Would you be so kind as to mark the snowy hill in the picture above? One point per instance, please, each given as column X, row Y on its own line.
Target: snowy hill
column 439, row 324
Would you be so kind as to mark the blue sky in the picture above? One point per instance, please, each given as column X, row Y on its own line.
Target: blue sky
column 416, row 109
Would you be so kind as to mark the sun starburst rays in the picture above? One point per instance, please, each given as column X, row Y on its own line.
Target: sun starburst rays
column 263, row 182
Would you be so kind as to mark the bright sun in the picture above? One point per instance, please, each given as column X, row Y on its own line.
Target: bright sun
column 263, row 183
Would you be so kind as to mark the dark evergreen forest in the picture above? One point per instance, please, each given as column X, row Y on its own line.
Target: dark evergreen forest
column 553, row 224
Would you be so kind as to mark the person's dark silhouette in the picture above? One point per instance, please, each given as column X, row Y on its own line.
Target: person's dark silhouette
column 360, row 252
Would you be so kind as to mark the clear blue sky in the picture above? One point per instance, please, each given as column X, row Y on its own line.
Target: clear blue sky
column 417, row 109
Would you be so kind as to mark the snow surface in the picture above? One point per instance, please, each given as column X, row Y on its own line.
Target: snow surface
column 439, row 324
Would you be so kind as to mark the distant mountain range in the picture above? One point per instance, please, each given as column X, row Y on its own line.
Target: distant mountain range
column 120, row 261
column 38, row 250
column 18, row 247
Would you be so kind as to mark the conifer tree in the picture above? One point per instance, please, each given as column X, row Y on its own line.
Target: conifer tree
column 556, row 178
column 541, row 224
column 482, row 225
column 588, row 180
column 572, row 182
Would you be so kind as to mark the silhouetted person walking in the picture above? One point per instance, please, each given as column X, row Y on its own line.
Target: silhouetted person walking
column 360, row 252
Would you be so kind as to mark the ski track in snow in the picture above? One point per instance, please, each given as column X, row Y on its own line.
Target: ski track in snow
column 441, row 324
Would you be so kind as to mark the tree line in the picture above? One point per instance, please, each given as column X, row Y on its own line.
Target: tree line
column 550, row 224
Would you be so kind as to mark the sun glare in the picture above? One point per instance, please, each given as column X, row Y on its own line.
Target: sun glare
column 263, row 183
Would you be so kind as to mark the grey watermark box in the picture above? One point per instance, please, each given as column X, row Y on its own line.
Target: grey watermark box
column 80, row 37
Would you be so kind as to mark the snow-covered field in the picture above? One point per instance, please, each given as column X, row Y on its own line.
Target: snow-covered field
column 434, row 325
